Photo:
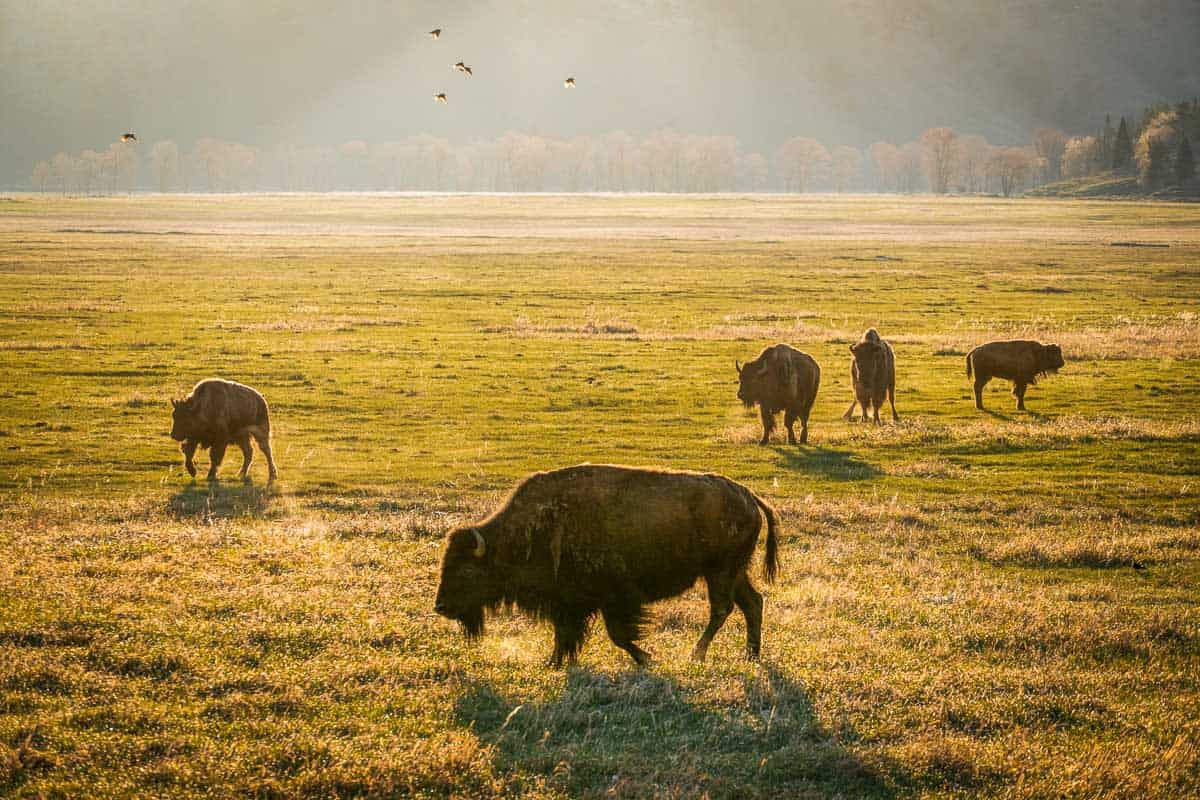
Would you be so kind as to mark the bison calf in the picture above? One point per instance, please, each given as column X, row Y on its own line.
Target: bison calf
column 783, row 379
column 1018, row 360
column 216, row 414
column 575, row 542
column 872, row 375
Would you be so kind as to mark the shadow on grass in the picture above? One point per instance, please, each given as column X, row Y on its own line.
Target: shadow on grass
column 639, row 735
column 836, row 465
column 222, row 500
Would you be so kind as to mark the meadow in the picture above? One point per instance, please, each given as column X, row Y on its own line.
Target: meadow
column 993, row 604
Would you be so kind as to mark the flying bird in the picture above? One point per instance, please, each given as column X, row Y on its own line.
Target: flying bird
column 441, row 97
column 463, row 68
column 435, row 33
column 569, row 83
column 128, row 137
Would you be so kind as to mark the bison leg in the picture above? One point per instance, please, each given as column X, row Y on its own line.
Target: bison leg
column 263, row 437
column 243, row 441
column 850, row 411
column 768, row 423
column 217, row 454
column 789, row 419
column 1019, row 393
column 189, row 452
column 875, row 408
column 750, row 602
column 720, row 603
column 804, row 424
column 892, row 400
column 570, row 628
column 981, row 380
column 623, row 624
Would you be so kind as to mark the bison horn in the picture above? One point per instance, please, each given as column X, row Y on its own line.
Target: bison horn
column 480, row 544
column 738, row 366
column 174, row 403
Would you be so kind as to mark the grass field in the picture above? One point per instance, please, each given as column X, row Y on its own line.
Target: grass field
column 972, row 603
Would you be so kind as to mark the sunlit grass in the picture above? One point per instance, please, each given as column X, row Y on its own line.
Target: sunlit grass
column 995, row 604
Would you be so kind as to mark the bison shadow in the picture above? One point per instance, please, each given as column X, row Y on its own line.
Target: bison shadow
column 836, row 465
column 638, row 734
column 219, row 500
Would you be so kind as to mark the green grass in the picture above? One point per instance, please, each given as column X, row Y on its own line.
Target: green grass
column 997, row 604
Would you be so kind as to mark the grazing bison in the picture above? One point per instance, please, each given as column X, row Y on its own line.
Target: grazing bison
column 873, row 375
column 591, row 539
column 780, row 379
column 216, row 414
column 1017, row 360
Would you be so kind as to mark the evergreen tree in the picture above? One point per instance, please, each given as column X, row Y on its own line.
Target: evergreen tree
column 1122, row 147
column 1155, row 169
column 1104, row 142
column 1185, row 164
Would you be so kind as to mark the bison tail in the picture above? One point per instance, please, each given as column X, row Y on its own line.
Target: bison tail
column 969, row 363
column 771, row 560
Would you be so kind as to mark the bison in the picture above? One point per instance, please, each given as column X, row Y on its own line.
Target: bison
column 781, row 379
column 216, row 414
column 1018, row 360
column 872, row 375
column 574, row 542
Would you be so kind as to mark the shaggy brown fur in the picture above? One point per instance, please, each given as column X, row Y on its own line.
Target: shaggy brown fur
column 216, row 414
column 872, row 375
column 780, row 379
column 1018, row 360
column 591, row 539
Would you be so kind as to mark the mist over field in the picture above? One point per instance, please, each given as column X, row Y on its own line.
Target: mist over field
column 74, row 75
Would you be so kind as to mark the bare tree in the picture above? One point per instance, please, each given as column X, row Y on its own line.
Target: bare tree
column 911, row 164
column 847, row 165
column 939, row 148
column 41, row 175
column 164, row 161
column 973, row 153
column 757, row 171
column 1011, row 166
column 62, row 166
column 801, row 160
column 1050, row 144
column 1080, row 156
column 885, row 157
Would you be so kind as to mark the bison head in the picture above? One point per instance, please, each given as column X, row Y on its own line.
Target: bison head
column 750, row 381
column 1051, row 359
column 468, row 583
column 183, row 421
column 869, row 356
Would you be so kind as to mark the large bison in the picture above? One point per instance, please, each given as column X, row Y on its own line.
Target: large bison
column 591, row 539
column 219, row 413
column 872, row 375
column 780, row 379
column 1018, row 360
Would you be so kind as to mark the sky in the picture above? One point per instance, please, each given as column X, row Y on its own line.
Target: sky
column 75, row 74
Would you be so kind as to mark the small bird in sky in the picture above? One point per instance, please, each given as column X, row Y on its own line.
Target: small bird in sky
column 463, row 68
column 128, row 137
column 569, row 83
column 435, row 33
column 440, row 97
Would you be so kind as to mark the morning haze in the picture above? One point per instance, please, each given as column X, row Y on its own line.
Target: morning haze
column 77, row 74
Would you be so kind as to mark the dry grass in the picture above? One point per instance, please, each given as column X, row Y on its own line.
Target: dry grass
column 971, row 604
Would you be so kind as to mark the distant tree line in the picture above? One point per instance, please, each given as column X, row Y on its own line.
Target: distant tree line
column 1157, row 148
